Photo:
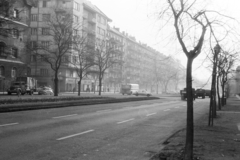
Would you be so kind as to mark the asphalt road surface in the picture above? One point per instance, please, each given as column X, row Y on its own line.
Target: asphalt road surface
column 121, row 131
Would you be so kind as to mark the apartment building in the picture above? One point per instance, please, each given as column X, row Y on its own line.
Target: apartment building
column 92, row 21
column 14, row 28
column 114, row 75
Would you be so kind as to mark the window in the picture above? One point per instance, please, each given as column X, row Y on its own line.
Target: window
column 103, row 32
column 45, row 44
column 45, row 4
column 99, row 18
column 14, row 72
column 45, row 17
column 28, row 71
column 74, row 59
column 33, row 58
column 33, row 44
column 34, row 31
column 34, row 17
column 98, row 30
column 76, row 6
column 75, row 18
column 2, row 70
column 14, row 52
column 15, row 33
column 45, row 31
column 103, row 21
column 2, row 49
column 15, row 13
column 43, row 72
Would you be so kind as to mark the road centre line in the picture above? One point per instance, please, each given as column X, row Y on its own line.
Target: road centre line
column 65, row 116
column 74, row 135
column 9, row 124
column 125, row 121
column 107, row 110
column 150, row 114
column 166, row 110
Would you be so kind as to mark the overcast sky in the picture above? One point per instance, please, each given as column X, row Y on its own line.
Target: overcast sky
column 136, row 17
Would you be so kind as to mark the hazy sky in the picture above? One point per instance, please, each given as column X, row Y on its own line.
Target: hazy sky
column 136, row 17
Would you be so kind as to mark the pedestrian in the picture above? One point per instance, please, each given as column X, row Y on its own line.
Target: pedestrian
column 18, row 92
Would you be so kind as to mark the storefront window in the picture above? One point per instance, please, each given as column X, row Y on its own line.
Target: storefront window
column 1, row 71
column 14, row 72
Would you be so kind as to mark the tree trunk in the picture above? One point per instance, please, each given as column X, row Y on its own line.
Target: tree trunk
column 190, row 126
column 100, row 85
column 56, row 85
column 79, row 86
column 218, row 94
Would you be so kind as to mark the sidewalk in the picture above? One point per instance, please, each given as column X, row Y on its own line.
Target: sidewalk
column 220, row 142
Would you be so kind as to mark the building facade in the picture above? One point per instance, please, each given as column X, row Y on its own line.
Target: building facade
column 14, row 19
column 92, row 21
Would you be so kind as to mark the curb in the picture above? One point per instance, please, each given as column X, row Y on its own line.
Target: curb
column 47, row 105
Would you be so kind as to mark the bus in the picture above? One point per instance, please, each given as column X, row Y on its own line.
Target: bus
column 129, row 89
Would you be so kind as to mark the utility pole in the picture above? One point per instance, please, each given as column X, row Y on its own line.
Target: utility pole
column 212, row 108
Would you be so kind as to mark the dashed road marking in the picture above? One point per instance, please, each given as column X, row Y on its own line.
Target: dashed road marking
column 9, row 124
column 166, row 110
column 107, row 110
column 125, row 121
column 65, row 116
column 150, row 114
column 74, row 135
column 176, row 107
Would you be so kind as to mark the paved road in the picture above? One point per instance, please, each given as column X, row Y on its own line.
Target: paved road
column 123, row 131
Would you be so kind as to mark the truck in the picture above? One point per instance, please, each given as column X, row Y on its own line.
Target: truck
column 200, row 93
column 183, row 94
column 23, row 85
column 129, row 89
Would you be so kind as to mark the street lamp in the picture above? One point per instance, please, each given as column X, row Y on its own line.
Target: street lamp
column 217, row 48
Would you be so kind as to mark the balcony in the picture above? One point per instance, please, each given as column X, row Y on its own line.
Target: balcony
column 92, row 20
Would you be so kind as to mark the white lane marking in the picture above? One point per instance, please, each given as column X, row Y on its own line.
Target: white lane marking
column 74, row 135
column 107, row 110
column 176, row 107
column 65, row 116
column 166, row 110
column 150, row 114
column 9, row 124
column 125, row 121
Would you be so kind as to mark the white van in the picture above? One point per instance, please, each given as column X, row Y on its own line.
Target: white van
column 129, row 89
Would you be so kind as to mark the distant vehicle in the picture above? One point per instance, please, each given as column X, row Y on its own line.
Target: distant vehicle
column 23, row 85
column 200, row 93
column 208, row 92
column 183, row 94
column 45, row 91
column 129, row 89
column 142, row 93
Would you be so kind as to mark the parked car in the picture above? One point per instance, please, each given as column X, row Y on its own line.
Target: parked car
column 45, row 91
column 142, row 93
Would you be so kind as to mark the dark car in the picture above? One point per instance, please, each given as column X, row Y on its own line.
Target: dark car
column 200, row 93
column 142, row 93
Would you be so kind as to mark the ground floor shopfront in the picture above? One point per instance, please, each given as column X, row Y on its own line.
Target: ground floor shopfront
column 9, row 70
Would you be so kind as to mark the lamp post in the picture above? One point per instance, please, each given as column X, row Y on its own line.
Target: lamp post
column 212, row 108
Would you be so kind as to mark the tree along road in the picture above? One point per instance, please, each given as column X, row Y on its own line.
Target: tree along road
column 121, row 131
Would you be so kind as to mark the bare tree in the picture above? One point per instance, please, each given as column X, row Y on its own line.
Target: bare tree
column 84, row 58
column 187, row 21
column 191, row 20
column 107, row 54
column 60, row 28
column 225, row 67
